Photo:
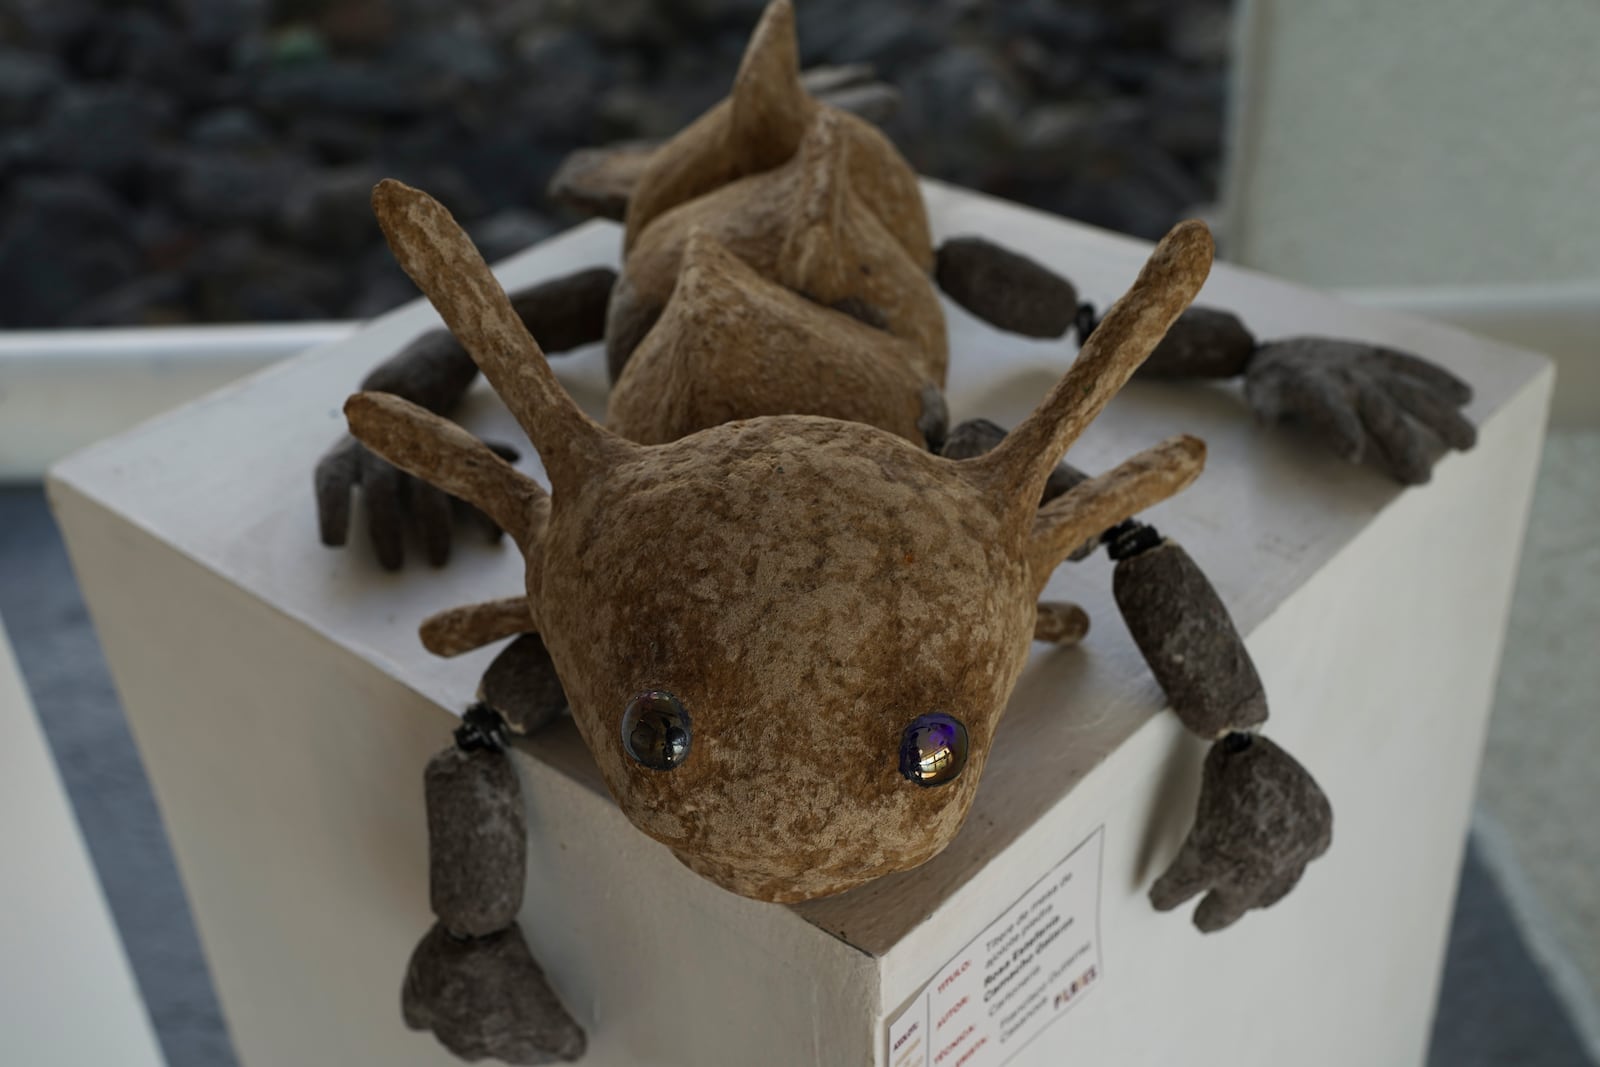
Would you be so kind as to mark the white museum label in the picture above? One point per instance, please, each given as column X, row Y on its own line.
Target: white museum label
column 1022, row 973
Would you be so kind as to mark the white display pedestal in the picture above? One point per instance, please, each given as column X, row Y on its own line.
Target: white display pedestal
column 285, row 711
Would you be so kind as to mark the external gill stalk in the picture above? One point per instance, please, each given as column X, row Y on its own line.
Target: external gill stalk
column 1018, row 468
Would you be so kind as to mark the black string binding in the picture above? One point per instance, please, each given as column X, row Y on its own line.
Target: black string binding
column 1085, row 321
column 1130, row 538
column 482, row 727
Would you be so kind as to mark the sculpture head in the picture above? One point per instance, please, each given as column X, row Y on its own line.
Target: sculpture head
column 778, row 634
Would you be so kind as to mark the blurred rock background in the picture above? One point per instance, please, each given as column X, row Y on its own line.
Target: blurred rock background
column 166, row 161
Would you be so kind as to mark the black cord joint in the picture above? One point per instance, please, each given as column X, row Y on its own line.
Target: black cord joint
column 1085, row 321
column 1130, row 538
column 482, row 728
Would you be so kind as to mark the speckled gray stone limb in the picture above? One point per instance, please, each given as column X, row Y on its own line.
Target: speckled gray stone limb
column 487, row 997
column 1187, row 637
column 566, row 312
column 1009, row 291
column 477, row 840
column 600, row 181
column 433, row 371
column 854, row 88
column 971, row 439
column 1203, row 343
column 521, row 684
column 1260, row 819
column 1351, row 395
column 396, row 505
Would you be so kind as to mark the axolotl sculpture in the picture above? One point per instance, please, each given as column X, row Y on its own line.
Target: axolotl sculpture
column 785, row 602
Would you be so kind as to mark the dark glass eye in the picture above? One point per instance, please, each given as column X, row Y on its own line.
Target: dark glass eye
column 655, row 730
column 933, row 749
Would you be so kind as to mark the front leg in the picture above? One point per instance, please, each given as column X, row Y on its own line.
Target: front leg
column 472, row 980
column 434, row 372
column 1261, row 817
column 1260, row 820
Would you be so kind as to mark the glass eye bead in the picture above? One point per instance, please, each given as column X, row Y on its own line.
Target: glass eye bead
column 655, row 730
column 933, row 749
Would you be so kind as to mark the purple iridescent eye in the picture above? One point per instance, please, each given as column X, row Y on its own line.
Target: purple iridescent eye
column 933, row 749
column 655, row 730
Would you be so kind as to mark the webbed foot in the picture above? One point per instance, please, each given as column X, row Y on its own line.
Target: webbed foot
column 1260, row 819
column 395, row 502
column 486, row 996
column 471, row 980
column 1353, row 396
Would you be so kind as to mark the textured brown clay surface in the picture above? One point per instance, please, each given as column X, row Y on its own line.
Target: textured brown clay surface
column 521, row 684
column 1261, row 818
column 805, row 586
column 1203, row 343
column 1125, row 337
column 434, row 372
column 1352, row 396
column 477, row 840
column 977, row 436
column 866, row 578
column 1091, row 507
column 732, row 345
column 1008, row 290
column 458, row 630
column 804, row 226
column 759, row 127
column 600, row 181
column 449, row 269
column 1188, row 638
column 487, row 997
column 1060, row 624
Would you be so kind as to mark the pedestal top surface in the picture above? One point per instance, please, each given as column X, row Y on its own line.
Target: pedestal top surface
column 227, row 481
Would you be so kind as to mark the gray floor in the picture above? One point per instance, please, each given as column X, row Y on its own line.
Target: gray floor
column 1496, row 1007
column 1539, row 782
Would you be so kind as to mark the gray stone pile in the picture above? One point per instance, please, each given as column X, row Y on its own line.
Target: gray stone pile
column 210, row 160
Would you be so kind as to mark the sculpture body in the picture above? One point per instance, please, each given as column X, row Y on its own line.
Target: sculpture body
column 785, row 602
